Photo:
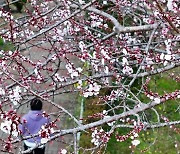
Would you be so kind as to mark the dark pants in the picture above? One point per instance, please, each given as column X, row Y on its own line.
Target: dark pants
column 35, row 151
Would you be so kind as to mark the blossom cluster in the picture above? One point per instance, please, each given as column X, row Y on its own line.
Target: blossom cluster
column 15, row 95
column 45, row 133
column 10, row 122
column 9, row 127
column 132, row 134
column 62, row 151
column 93, row 89
column 74, row 72
column 99, row 137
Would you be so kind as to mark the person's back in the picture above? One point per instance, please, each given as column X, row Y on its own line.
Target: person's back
column 31, row 124
column 33, row 121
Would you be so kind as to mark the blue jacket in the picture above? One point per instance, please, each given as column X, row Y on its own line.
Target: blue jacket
column 34, row 121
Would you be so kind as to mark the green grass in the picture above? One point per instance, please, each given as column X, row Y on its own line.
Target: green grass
column 158, row 141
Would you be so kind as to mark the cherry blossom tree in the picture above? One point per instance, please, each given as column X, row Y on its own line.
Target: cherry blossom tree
column 96, row 49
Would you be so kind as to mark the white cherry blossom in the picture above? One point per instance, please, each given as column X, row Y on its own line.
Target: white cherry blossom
column 93, row 89
column 125, row 61
column 8, row 127
column 127, row 70
column 135, row 142
column 82, row 46
column 132, row 137
column 63, row 151
column 165, row 63
column 136, row 135
column 106, row 70
column 15, row 95
column 168, row 57
column 124, row 51
column 58, row 78
column 2, row 91
column 74, row 72
column 105, row 54
column 171, row 5
column 105, row 2
column 162, row 56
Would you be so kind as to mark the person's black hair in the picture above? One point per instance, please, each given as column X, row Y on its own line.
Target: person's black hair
column 36, row 104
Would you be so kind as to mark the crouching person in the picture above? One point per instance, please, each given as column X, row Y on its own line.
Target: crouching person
column 31, row 124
